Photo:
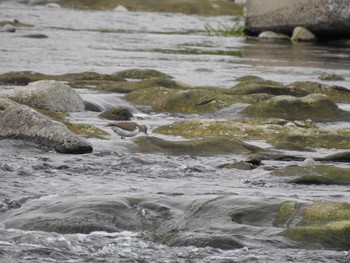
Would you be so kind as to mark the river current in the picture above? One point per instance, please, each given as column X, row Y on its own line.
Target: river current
column 119, row 205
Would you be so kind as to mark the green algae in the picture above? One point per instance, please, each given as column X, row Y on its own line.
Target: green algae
column 141, row 74
column 199, row 147
column 320, row 174
column 87, row 129
column 285, row 213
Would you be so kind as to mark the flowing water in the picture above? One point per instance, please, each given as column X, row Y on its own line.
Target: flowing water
column 119, row 205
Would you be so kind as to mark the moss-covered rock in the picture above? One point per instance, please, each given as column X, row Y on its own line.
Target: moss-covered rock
column 331, row 77
column 325, row 223
column 5, row 103
column 320, row 174
column 141, row 74
column 198, row 147
column 195, row 100
column 116, row 114
column 314, row 106
column 15, row 23
column 285, row 213
column 87, row 129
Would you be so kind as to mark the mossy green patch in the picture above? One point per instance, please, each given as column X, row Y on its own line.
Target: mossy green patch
column 141, row 74
column 198, row 147
column 200, row 7
column 87, row 129
column 285, row 213
column 321, row 174
column 54, row 115
column 316, row 107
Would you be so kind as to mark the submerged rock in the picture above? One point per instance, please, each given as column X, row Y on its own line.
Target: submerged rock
column 141, row 74
column 199, row 147
column 116, row 114
column 316, row 107
column 50, row 95
column 273, row 35
column 24, row 123
column 331, row 77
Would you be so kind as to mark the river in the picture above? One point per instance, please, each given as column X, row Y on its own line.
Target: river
column 119, row 205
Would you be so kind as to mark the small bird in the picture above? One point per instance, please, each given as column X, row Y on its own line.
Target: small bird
column 127, row 129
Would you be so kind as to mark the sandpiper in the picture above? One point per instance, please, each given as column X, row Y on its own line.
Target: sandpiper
column 127, row 128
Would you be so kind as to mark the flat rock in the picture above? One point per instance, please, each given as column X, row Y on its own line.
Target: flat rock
column 22, row 122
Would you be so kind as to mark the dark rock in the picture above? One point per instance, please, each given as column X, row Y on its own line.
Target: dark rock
column 117, row 114
column 22, row 122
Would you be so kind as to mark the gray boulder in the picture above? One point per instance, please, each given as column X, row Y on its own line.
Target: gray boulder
column 325, row 18
column 22, row 122
column 49, row 95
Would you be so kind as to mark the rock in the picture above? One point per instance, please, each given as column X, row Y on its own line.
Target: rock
column 198, row 147
column 50, row 95
column 8, row 28
column 116, row 114
column 240, row 165
column 302, row 34
column 5, row 103
column 24, row 123
column 121, row 8
column 331, row 77
column 141, row 74
column 37, row 36
column 316, row 174
column 273, row 35
column 327, row 19
column 308, row 162
column 338, row 157
column 323, row 223
column 285, row 213
column 316, row 107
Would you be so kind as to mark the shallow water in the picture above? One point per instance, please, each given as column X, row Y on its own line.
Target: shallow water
column 119, row 205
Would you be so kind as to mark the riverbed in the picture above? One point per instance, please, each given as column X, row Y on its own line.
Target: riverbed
column 119, row 205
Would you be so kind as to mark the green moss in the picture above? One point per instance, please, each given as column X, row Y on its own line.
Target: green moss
column 332, row 235
column 202, row 7
column 87, row 129
column 54, row 115
column 315, row 106
column 321, row 174
column 141, row 74
column 199, row 147
column 285, row 213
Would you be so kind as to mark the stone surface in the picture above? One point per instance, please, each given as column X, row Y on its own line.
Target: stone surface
column 302, row 34
column 325, row 18
column 50, row 95
column 116, row 114
column 24, row 123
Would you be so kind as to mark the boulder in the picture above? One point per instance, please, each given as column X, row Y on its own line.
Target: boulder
column 331, row 77
column 273, row 35
column 5, row 103
column 325, row 18
column 316, row 107
column 50, row 95
column 141, row 74
column 22, row 122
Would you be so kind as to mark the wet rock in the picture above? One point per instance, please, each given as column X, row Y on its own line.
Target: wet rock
column 302, row 34
column 8, row 28
column 338, row 157
column 37, row 36
column 87, row 130
column 285, row 213
column 14, row 23
column 253, row 85
column 117, row 114
column 273, row 35
column 315, row 106
column 319, row 174
column 121, row 8
column 141, row 74
column 324, row 223
column 190, row 100
column 240, row 165
column 20, row 77
column 50, row 95
column 331, row 77
column 199, row 147
column 90, row 106
column 22, row 122
column 8, row 204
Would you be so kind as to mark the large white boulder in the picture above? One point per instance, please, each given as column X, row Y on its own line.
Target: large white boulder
column 49, row 95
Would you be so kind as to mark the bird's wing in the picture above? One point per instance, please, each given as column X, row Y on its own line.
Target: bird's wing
column 128, row 126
